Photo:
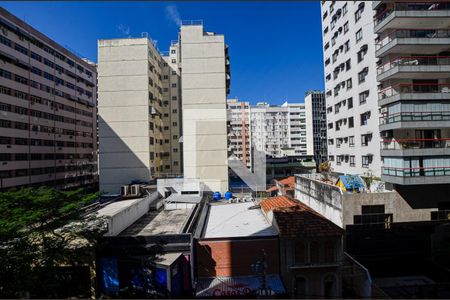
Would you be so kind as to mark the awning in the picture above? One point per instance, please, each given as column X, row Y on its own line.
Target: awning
column 238, row 286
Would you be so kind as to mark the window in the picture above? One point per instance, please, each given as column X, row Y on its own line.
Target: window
column 351, row 141
column 330, row 142
column 366, row 161
column 330, row 125
column 351, row 122
column 165, row 77
column 174, row 85
column 350, row 103
column 174, row 72
column 331, row 157
column 173, row 51
column 347, row 46
column 346, row 27
column 363, row 97
column 21, row 49
column 349, row 83
column 152, row 141
column 362, row 75
column 174, row 111
column 174, row 98
column 359, row 12
column 365, row 118
column 338, row 160
column 344, row 9
column 359, row 35
column 174, row 61
column 362, row 53
column 365, row 139
column 348, row 65
column 175, row 137
column 338, row 142
column 175, row 163
column 174, row 124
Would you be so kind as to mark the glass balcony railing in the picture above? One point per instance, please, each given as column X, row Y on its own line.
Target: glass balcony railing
column 413, row 88
column 410, row 6
column 414, row 61
column 416, row 172
column 404, row 144
column 412, row 33
column 414, row 117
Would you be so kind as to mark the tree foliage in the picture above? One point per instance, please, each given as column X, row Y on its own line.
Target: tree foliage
column 41, row 229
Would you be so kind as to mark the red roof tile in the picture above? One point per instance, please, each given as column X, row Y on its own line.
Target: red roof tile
column 301, row 220
column 277, row 202
column 289, row 182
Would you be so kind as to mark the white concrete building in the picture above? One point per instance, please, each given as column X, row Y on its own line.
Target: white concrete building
column 279, row 130
column 131, row 113
column 350, row 87
column 205, row 85
column 316, row 126
column 239, row 131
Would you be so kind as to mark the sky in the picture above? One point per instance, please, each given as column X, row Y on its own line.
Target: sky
column 275, row 47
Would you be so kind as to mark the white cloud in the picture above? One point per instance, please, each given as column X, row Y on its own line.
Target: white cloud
column 125, row 30
column 173, row 14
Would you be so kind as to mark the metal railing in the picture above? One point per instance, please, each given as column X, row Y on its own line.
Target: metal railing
column 413, row 88
column 403, row 144
column 416, row 172
column 413, row 33
column 414, row 61
column 410, row 6
column 414, row 116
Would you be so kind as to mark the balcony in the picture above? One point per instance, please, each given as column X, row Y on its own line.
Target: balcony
column 415, row 176
column 413, row 120
column 415, row 147
column 411, row 67
column 412, row 92
column 409, row 14
column 418, row 41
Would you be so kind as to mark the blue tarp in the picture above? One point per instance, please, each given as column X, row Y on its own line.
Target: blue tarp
column 352, row 182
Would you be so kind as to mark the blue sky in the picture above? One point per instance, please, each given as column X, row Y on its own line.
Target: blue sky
column 275, row 48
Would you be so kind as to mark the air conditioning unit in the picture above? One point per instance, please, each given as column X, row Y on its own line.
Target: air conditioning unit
column 135, row 190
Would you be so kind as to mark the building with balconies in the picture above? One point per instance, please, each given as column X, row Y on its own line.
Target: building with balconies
column 130, row 112
column 350, row 87
column 48, row 114
column 239, row 131
column 413, row 48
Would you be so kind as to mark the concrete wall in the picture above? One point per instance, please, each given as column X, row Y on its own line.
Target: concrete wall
column 121, row 219
column 204, row 107
column 340, row 207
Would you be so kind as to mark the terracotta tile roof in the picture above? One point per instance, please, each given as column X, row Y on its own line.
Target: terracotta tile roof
column 288, row 184
column 301, row 220
column 277, row 202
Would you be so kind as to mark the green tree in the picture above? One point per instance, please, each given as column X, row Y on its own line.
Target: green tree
column 43, row 229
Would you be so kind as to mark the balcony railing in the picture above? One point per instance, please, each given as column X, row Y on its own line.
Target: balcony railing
column 416, row 172
column 404, row 144
column 413, row 33
column 410, row 6
column 413, row 88
column 414, row 116
column 414, row 61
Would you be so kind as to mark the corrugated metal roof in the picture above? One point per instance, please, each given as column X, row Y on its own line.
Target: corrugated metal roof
column 237, row 286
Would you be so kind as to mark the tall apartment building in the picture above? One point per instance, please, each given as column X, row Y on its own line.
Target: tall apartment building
column 350, row 87
column 297, row 128
column 47, row 110
column 205, row 77
column 239, row 131
column 316, row 126
column 137, row 129
column 413, row 48
column 270, row 129
column 279, row 130
column 172, row 112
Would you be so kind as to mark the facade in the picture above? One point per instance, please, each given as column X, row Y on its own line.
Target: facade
column 130, row 112
column 171, row 109
column 316, row 126
column 350, row 87
column 239, row 131
column 413, row 48
column 48, row 125
column 205, row 76
column 279, row 131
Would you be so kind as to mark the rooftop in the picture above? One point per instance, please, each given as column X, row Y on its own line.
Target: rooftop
column 159, row 222
column 236, row 220
column 116, row 207
column 276, row 202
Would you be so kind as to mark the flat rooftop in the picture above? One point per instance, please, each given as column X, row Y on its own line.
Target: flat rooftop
column 159, row 222
column 236, row 220
column 117, row 206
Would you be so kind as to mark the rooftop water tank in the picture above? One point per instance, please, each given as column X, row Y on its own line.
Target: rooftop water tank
column 217, row 196
column 228, row 195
